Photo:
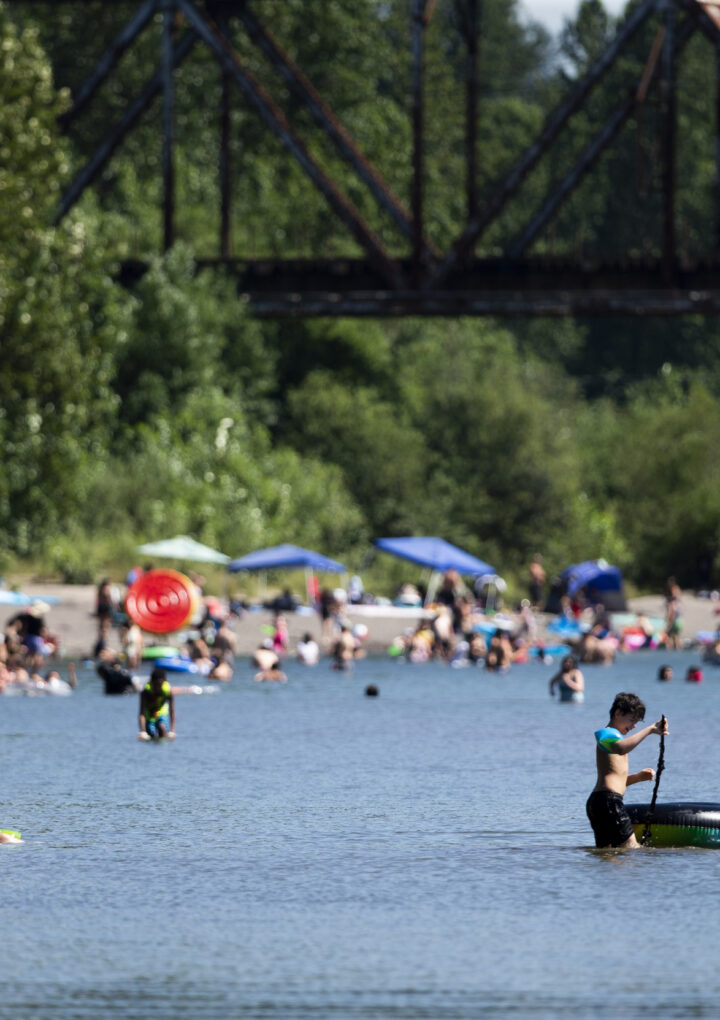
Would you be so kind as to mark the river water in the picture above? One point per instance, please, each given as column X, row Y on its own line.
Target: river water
column 303, row 852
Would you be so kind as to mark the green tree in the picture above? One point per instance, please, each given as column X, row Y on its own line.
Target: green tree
column 59, row 310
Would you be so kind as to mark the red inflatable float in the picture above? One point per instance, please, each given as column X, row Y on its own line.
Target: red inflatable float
column 161, row 601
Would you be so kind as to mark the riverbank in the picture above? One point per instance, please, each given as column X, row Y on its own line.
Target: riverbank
column 72, row 619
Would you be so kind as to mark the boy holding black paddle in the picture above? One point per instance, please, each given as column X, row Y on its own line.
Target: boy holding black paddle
column 605, row 808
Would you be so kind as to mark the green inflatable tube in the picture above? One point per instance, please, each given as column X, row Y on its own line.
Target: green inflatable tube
column 683, row 823
column 159, row 652
column 10, row 836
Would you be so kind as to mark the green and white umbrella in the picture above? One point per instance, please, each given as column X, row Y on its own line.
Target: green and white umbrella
column 183, row 548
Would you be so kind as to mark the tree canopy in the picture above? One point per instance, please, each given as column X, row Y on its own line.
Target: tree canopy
column 126, row 414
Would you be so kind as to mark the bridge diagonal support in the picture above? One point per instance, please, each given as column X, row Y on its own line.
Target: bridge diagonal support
column 669, row 105
column 717, row 148
column 324, row 117
column 589, row 155
column 108, row 61
column 277, row 122
column 114, row 137
column 470, row 21
column 168, row 165
column 553, row 126
column 225, row 168
column 420, row 15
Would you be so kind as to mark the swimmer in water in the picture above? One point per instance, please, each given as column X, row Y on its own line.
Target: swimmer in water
column 272, row 675
column 569, row 681
column 605, row 808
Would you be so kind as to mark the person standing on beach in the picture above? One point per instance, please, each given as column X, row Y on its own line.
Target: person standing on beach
column 536, row 582
column 673, row 616
column 605, row 807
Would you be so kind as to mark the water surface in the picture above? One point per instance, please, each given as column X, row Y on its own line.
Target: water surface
column 304, row 851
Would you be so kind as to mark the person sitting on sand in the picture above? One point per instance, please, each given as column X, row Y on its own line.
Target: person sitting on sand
column 157, row 708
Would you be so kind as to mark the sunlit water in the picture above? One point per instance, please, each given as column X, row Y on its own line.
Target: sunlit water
column 304, row 851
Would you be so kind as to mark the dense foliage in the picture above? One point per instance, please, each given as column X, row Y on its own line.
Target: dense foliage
column 128, row 415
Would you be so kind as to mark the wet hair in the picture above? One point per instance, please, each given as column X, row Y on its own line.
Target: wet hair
column 664, row 672
column 371, row 691
column 158, row 674
column 569, row 662
column 628, row 704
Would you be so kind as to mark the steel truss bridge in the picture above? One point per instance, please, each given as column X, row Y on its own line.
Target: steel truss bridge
column 424, row 281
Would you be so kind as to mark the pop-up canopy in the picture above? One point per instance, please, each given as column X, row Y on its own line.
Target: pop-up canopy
column 183, row 548
column 435, row 553
column 600, row 581
column 593, row 573
column 286, row 556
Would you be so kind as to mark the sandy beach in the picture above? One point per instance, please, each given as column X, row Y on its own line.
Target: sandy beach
column 72, row 619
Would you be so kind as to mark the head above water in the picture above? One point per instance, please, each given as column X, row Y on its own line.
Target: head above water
column 628, row 705
column 157, row 676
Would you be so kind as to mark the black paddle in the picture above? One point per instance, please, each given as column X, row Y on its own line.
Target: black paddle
column 651, row 810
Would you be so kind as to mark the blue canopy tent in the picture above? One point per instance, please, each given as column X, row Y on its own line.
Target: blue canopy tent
column 601, row 583
column 288, row 557
column 436, row 554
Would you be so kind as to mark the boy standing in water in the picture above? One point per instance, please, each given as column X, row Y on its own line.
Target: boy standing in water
column 605, row 808
column 157, row 708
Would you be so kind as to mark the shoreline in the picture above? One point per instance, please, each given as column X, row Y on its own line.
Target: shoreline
column 72, row 619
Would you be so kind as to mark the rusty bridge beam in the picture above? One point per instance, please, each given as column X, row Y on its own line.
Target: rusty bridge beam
column 553, row 126
column 108, row 61
column 418, row 26
column 601, row 140
column 225, row 164
column 277, row 122
column 326, row 119
column 168, row 143
column 116, row 134
column 468, row 14
column 669, row 119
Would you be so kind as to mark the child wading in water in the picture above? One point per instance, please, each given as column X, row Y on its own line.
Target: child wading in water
column 605, row 808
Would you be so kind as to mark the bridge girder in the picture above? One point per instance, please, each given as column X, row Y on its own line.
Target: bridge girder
column 426, row 281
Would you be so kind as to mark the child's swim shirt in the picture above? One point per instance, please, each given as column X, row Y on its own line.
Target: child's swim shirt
column 607, row 737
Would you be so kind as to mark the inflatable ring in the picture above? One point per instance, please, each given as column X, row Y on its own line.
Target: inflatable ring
column 160, row 651
column 10, row 836
column 182, row 664
column 679, row 824
column 161, row 601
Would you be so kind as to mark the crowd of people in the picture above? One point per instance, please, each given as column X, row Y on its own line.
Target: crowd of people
column 459, row 627
column 28, row 651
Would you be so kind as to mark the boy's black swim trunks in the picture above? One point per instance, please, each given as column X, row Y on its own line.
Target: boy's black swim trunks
column 608, row 817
